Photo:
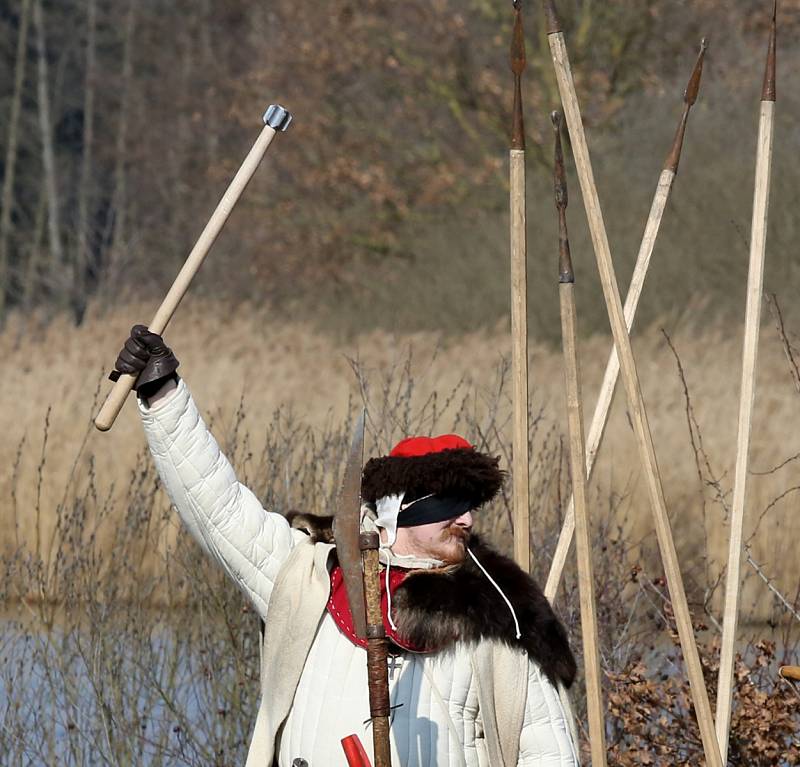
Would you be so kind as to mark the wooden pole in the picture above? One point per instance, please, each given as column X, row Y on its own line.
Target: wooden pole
column 638, row 414
column 275, row 119
column 755, row 283
column 519, row 305
column 377, row 651
column 569, row 335
column 600, row 417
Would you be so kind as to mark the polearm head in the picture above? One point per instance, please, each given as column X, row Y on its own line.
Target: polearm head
column 552, row 21
column 277, row 117
column 693, row 88
column 768, row 92
column 689, row 99
column 517, row 67
column 347, row 521
column 565, row 272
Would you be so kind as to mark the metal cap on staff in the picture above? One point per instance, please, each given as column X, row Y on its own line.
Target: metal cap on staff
column 277, row 117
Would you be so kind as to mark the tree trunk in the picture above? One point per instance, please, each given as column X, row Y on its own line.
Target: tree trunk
column 48, row 154
column 32, row 276
column 7, row 203
column 120, row 204
column 83, row 256
column 210, row 127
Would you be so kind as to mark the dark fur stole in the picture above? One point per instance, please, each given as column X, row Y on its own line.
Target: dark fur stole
column 439, row 607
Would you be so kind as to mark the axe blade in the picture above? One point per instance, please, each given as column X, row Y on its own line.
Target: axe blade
column 347, row 517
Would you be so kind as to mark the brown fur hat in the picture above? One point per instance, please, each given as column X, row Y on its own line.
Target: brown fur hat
column 446, row 465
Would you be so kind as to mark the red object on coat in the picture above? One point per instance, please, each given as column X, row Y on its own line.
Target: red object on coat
column 339, row 608
column 354, row 752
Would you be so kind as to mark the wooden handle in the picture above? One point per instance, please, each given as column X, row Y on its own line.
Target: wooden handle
column 604, row 399
column 638, row 414
column 755, row 293
column 589, row 630
column 790, row 672
column 377, row 651
column 119, row 393
column 519, row 360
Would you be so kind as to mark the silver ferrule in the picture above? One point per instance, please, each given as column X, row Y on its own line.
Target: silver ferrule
column 277, row 117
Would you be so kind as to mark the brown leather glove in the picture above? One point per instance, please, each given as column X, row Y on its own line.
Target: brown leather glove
column 147, row 356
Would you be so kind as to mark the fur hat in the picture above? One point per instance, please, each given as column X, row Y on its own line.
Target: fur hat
column 445, row 466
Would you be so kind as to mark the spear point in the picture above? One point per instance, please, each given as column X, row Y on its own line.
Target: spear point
column 551, row 17
column 693, row 88
column 689, row 99
column 565, row 272
column 517, row 66
column 768, row 93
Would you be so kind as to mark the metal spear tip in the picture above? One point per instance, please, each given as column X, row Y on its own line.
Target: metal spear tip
column 693, row 88
column 517, row 44
column 768, row 92
column 277, row 117
column 559, row 171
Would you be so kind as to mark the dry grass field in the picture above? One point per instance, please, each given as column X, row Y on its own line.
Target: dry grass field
column 257, row 380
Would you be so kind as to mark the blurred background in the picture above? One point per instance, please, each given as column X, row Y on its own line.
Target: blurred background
column 367, row 263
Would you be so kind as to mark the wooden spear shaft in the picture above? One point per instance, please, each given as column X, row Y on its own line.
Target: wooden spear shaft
column 569, row 335
column 276, row 119
column 600, row 417
column 630, row 379
column 519, row 305
column 755, row 283
column 377, row 651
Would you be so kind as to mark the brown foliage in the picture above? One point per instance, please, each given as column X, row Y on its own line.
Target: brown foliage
column 650, row 711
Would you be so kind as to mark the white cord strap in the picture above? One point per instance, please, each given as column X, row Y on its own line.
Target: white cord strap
column 499, row 591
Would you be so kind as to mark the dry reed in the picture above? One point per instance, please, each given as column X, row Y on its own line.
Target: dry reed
column 119, row 632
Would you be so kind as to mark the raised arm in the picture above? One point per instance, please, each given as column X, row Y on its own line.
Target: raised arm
column 223, row 516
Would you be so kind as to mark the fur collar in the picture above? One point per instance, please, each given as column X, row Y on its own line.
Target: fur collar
column 437, row 608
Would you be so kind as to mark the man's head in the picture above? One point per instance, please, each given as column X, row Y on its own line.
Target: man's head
column 424, row 493
column 446, row 541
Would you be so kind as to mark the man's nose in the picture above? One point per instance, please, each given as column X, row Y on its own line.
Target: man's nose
column 465, row 520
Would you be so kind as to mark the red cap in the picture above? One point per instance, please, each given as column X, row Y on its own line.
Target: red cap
column 416, row 446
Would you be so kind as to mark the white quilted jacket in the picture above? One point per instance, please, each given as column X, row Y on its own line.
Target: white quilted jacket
column 436, row 722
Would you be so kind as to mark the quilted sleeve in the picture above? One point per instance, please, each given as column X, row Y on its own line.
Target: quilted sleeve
column 223, row 516
column 546, row 740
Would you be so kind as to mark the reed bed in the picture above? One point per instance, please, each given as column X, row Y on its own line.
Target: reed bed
column 122, row 645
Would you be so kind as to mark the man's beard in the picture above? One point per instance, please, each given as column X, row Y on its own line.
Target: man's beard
column 452, row 546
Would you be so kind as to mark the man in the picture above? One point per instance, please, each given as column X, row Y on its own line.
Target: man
column 479, row 662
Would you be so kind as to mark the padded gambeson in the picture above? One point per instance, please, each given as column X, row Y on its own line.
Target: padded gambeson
column 436, row 721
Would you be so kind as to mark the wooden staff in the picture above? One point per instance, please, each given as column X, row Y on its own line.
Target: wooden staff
column 755, row 283
column 569, row 336
column 276, row 118
column 630, row 378
column 377, row 651
column 600, row 417
column 519, row 304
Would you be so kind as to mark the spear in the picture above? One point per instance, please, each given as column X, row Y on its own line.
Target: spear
column 600, row 417
column 755, row 282
column 569, row 334
column 630, row 377
column 519, row 303
column 358, row 557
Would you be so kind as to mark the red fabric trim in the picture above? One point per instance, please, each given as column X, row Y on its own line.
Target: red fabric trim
column 416, row 446
column 339, row 607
